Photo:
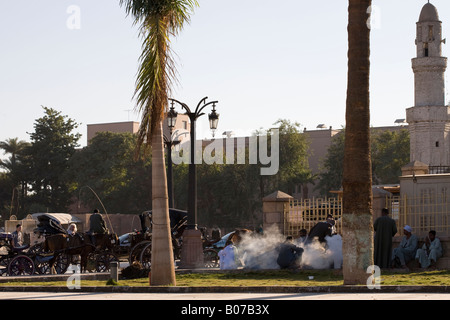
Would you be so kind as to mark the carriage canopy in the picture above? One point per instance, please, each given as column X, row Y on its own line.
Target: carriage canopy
column 63, row 218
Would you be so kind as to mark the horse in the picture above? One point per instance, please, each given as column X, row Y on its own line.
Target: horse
column 70, row 245
column 238, row 234
column 102, row 241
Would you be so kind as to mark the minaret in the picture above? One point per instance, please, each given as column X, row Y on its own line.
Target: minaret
column 429, row 119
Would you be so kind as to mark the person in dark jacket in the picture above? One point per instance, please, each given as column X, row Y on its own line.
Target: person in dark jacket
column 289, row 255
column 96, row 226
column 321, row 230
column 96, row 223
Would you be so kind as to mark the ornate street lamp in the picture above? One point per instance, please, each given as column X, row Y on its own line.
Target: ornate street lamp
column 192, row 250
column 170, row 142
column 172, row 118
column 213, row 119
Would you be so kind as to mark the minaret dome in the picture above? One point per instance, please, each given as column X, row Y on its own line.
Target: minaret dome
column 429, row 13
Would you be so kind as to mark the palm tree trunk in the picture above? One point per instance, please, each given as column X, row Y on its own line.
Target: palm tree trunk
column 357, row 176
column 163, row 269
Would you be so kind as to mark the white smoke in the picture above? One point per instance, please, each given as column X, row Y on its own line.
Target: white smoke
column 260, row 252
column 317, row 256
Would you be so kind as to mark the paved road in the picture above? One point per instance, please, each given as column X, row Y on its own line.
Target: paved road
column 192, row 297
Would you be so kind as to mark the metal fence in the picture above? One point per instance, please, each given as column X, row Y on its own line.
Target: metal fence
column 423, row 213
column 438, row 169
column 305, row 213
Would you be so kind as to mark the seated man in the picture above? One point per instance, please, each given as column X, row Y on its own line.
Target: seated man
column 17, row 237
column 431, row 251
column 96, row 226
column 406, row 251
column 72, row 230
column 228, row 256
column 289, row 255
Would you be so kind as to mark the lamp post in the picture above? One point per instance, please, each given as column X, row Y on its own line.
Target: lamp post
column 169, row 143
column 192, row 250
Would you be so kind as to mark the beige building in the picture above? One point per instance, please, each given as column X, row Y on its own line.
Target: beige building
column 182, row 124
column 116, row 127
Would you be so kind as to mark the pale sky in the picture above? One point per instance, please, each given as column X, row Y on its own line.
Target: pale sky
column 262, row 60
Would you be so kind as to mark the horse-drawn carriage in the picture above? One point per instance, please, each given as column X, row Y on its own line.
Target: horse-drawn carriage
column 57, row 249
column 15, row 261
column 94, row 252
column 137, row 245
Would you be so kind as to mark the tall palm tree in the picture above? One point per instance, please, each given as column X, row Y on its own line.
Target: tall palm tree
column 158, row 20
column 357, row 176
column 13, row 147
column 16, row 149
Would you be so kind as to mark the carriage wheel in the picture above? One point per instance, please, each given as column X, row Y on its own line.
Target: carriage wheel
column 104, row 260
column 21, row 266
column 135, row 252
column 40, row 267
column 145, row 257
column 62, row 263
column 211, row 258
column 4, row 262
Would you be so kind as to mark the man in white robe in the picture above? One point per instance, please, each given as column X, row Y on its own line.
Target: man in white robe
column 406, row 251
column 431, row 251
column 228, row 258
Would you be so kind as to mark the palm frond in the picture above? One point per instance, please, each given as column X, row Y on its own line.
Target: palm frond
column 158, row 19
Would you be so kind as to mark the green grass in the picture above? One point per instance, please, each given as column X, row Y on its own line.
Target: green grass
column 271, row 278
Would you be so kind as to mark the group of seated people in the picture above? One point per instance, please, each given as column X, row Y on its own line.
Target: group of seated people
column 408, row 250
column 290, row 252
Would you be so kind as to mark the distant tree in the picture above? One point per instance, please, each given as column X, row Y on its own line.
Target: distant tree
column 14, row 148
column 390, row 152
column 14, row 186
column 107, row 165
column 231, row 195
column 228, row 195
column 53, row 143
column 331, row 168
column 293, row 160
column 6, row 190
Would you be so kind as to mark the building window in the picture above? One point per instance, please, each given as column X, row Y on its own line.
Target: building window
column 426, row 49
column 437, row 144
column 185, row 125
